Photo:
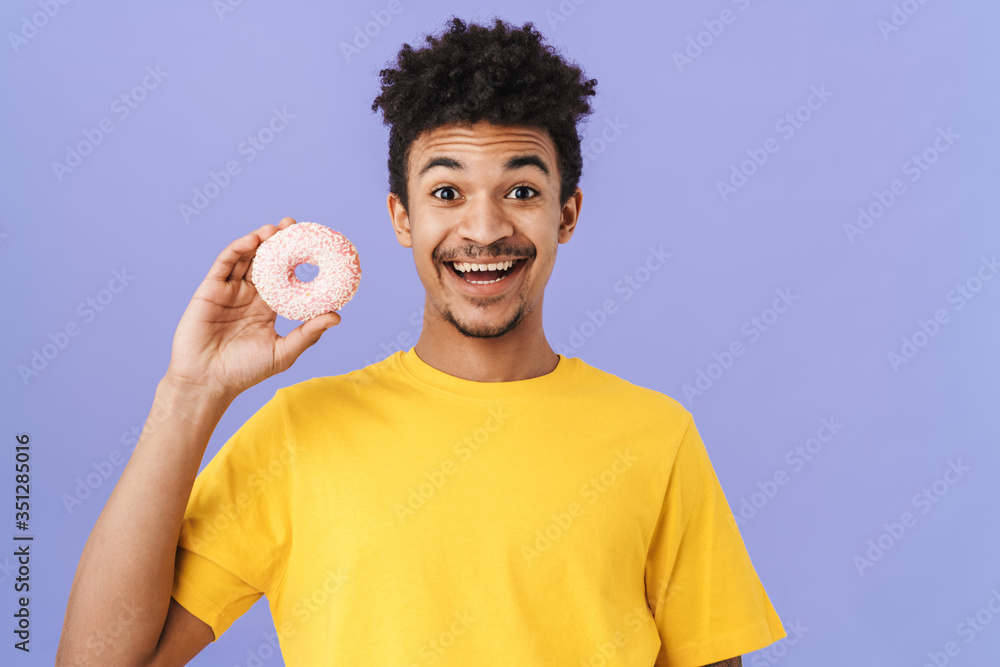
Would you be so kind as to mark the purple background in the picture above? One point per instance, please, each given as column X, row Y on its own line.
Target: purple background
column 670, row 134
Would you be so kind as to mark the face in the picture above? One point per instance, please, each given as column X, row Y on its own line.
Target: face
column 484, row 194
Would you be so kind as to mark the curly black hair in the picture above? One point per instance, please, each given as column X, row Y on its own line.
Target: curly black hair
column 504, row 75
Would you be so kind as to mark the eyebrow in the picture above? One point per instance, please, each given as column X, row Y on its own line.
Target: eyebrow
column 511, row 164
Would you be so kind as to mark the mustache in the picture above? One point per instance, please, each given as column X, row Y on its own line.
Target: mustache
column 472, row 252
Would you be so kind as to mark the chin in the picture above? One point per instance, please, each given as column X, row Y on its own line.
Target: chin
column 485, row 329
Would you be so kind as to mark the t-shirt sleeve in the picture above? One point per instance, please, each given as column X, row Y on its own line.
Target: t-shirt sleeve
column 236, row 533
column 708, row 602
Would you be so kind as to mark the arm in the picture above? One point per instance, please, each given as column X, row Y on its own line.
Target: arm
column 120, row 611
column 121, row 590
column 731, row 662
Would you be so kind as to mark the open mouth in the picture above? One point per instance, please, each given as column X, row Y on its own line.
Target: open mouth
column 485, row 273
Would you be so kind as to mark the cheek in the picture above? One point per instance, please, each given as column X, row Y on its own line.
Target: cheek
column 422, row 247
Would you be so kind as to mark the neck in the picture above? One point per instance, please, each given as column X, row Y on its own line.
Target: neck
column 520, row 354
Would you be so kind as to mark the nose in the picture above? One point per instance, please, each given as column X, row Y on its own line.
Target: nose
column 485, row 221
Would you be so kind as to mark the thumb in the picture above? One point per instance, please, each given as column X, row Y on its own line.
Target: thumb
column 289, row 347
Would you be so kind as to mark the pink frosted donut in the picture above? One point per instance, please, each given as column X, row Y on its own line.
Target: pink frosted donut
column 273, row 271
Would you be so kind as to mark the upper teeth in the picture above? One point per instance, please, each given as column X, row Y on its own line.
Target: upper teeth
column 465, row 266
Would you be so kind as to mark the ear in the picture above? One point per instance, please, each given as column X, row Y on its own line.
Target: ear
column 400, row 220
column 569, row 215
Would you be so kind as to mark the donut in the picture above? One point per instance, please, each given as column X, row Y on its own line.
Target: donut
column 272, row 271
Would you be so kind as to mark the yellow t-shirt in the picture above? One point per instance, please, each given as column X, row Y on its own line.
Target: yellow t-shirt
column 400, row 516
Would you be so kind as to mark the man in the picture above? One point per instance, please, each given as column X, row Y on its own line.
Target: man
column 475, row 500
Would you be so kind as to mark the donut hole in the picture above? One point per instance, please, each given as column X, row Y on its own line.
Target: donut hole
column 306, row 272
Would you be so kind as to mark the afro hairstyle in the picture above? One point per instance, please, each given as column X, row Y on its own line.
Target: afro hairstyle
column 503, row 75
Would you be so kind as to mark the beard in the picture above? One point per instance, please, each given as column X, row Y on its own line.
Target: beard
column 493, row 330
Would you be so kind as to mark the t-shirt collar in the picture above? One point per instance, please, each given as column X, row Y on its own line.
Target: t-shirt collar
column 542, row 385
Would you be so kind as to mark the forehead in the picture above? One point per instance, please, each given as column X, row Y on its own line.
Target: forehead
column 446, row 140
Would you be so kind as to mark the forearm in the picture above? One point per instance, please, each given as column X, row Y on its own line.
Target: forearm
column 121, row 590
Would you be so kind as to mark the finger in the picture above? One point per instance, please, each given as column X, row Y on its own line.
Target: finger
column 303, row 336
column 233, row 253
column 242, row 249
column 242, row 267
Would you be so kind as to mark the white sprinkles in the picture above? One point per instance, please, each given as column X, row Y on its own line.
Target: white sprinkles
column 273, row 271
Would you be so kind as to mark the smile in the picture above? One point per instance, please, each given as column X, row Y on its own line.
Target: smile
column 485, row 273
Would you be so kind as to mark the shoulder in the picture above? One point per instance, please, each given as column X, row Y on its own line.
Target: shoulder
column 329, row 391
column 618, row 390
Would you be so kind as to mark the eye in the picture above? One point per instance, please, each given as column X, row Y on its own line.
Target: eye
column 452, row 198
column 525, row 187
column 447, row 187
